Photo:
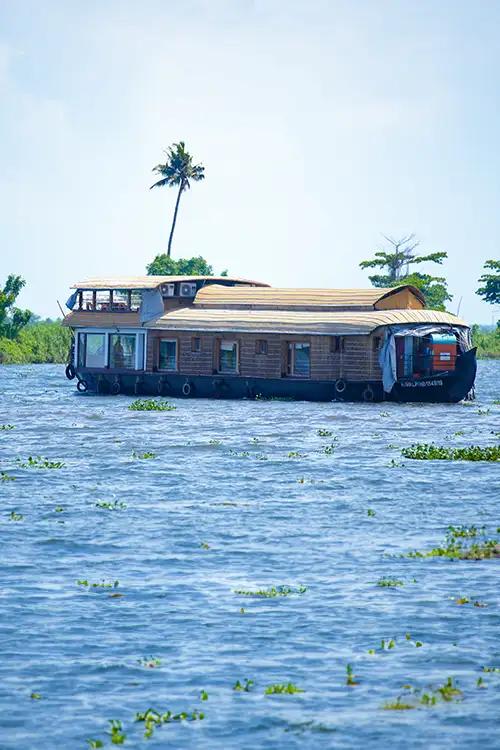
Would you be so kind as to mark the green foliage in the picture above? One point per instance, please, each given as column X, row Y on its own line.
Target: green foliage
column 36, row 696
column 487, row 341
column 273, row 591
column 115, row 732
column 431, row 452
column 150, row 663
column 12, row 319
column 13, row 516
column 39, row 462
column 6, row 427
column 350, row 677
column 490, row 291
column 324, row 433
column 151, row 404
column 94, row 744
column 283, row 688
column 163, row 265
column 143, row 456
column 458, row 546
column 389, row 582
column 38, row 342
column 101, row 585
column 245, row 687
column 4, row 477
column 399, row 256
column 153, row 719
column 105, row 505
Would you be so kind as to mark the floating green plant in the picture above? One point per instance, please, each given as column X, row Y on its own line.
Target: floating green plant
column 204, row 545
column 389, row 582
column 59, row 509
column 483, row 412
column 431, row 452
column 456, row 546
column 370, row 512
column 36, row 696
column 398, row 705
column 324, row 433
column 350, row 676
column 245, row 687
column 94, row 744
column 108, row 505
column 446, row 692
column 115, row 732
column 39, row 462
column 283, row 688
column 492, row 669
column 215, row 442
column 13, row 516
column 99, row 585
column 296, row 454
column 7, row 427
column 143, row 456
column 273, row 591
column 203, row 695
column 395, row 464
column 151, row 404
column 329, row 450
column 151, row 663
column 465, row 532
column 153, row 719
column 4, row 477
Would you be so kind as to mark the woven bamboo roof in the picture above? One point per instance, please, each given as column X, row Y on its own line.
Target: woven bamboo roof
column 216, row 295
column 298, row 322
column 151, row 282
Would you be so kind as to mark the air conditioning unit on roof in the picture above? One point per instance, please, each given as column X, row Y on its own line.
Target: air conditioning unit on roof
column 188, row 289
column 168, row 290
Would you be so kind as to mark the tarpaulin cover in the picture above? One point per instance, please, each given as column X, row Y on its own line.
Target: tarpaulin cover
column 151, row 305
column 387, row 355
column 71, row 302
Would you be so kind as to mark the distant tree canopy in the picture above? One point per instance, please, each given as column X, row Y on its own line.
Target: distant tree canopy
column 12, row 319
column 396, row 261
column 164, row 265
column 490, row 291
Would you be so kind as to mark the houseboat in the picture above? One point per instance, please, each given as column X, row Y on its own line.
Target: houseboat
column 222, row 337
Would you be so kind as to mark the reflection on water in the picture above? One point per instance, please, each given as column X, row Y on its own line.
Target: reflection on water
column 240, row 496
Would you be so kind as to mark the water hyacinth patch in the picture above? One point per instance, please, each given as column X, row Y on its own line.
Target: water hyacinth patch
column 115, row 732
column 4, row 477
column 415, row 697
column 101, row 585
column 431, row 452
column 389, row 582
column 245, row 687
column 153, row 719
column 143, row 456
column 350, row 677
column 39, row 462
column 273, row 591
column 107, row 505
column 6, row 427
column 94, row 744
column 324, row 433
column 283, row 688
column 458, row 547
column 151, row 663
column 151, row 404
column 13, row 516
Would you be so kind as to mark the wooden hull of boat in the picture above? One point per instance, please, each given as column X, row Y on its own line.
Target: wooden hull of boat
column 443, row 388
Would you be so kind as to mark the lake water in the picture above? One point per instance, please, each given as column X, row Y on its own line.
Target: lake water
column 205, row 518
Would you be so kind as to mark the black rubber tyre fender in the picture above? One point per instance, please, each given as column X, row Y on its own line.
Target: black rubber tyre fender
column 187, row 388
column 82, row 386
column 368, row 394
column 340, row 385
column 115, row 387
column 70, row 371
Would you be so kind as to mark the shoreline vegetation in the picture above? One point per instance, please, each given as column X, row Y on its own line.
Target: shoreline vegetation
column 48, row 342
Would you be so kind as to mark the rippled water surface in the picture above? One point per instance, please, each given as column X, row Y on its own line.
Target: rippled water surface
column 241, row 496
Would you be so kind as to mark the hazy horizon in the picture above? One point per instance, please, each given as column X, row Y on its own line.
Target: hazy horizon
column 320, row 126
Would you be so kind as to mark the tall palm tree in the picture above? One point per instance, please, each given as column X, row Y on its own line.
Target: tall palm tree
column 178, row 170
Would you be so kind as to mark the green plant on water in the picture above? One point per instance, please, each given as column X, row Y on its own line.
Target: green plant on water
column 215, row 442
column 283, row 688
column 273, row 591
column 459, row 433
column 152, row 719
column 59, row 509
column 384, row 414
column 296, row 454
column 108, row 505
column 431, row 452
column 329, row 450
column 462, row 600
column 370, row 512
column 395, row 464
column 115, row 732
column 143, row 456
column 242, row 454
column 152, row 663
column 350, row 680
column 448, row 691
column 13, row 516
column 203, row 695
column 389, row 582
column 324, row 433
column 392, row 446
column 244, row 687
column 458, row 547
column 94, row 744
column 255, row 440
column 36, row 696
column 397, row 705
column 261, row 457
column 480, row 683
column 39, row 462
column 7, row 427
column 492, row 669
column 204, row 545
column 100, row 585
column 151, row 404
column 483, row 412
column 4, row 477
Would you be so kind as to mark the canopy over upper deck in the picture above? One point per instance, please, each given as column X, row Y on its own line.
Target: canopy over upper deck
column 152, row 282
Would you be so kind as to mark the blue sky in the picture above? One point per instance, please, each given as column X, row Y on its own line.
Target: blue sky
column 320, row 124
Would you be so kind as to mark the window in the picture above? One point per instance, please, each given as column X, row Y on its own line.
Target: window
column 91, row 350
column 261, row 346
column 337, row 344
column 299, row 359
column 228, row 356
column 195, row 344
column 168, row 354
column 122, row 351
